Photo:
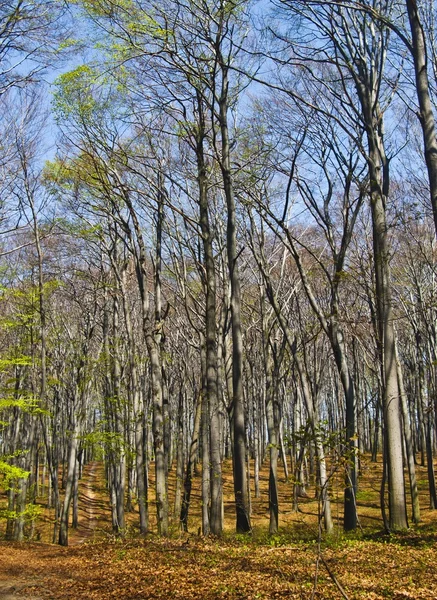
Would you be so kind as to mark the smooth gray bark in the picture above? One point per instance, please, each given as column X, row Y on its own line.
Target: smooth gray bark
column 188, row 483
column 72, row 456
column 239, row 428
column 426, row 112
column 409, row 447
column 211, row 359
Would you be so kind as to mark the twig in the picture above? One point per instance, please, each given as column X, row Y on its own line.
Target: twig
column 334, row 578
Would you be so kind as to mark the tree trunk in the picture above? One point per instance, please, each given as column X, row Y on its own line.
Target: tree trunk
column 72, row 458
column 239, row 443
column 426, row 114
column 391, row 404
column 272, row 422
column 211, row 359
column 191, row 462
column 408, row 444
column 179, row 455
column 206, row 473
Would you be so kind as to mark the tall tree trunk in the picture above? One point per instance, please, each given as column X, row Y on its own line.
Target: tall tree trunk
column 211, row 360
column 408, row 444
column 206, row 473
column 377, row 165
column 426, row 114
column 350, row 509
column 69, row 487
column 138, row 406
column 239, row 443
column 191, row 462
column 179, row 454
column 272, row 422
column 273, row 471
column 430, row 462
column 119, row 462
column 153, row 340
column 152, row 331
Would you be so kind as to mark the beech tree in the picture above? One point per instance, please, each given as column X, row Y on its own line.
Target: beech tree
column 346, row 33
column 201, row 52
column 229, row 258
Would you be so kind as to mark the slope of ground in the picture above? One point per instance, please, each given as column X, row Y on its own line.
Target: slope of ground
column 205, row 569
column 291, row 564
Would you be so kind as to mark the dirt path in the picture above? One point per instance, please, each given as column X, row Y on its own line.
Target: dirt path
column 15, row 576
column 90, row 508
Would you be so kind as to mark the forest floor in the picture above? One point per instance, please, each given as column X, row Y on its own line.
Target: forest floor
column 291, row 564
